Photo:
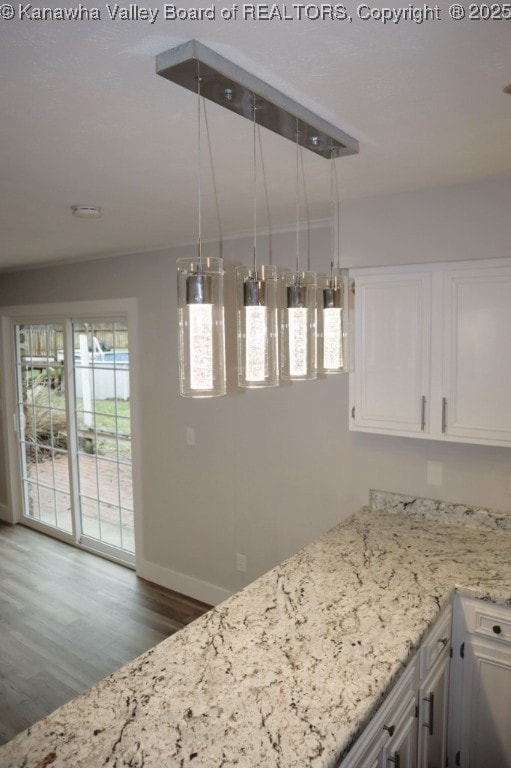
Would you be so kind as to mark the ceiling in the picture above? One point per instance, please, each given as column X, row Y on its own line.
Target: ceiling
column 85, row 120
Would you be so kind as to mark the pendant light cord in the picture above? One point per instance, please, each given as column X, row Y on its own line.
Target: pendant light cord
column 332, row 235
column 338, row 243
column 213, row 176
column 254, row 158
column 297, row 202
column 199, row 166
column 265, row 189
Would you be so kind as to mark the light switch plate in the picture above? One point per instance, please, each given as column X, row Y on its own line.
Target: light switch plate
column 190, row 436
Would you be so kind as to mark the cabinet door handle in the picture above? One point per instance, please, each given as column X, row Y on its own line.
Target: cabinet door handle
column 444, row 414
column 396, row 759
column 429, row 726
column 423, row 413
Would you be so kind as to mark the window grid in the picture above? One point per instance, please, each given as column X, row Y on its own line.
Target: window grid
column 38, row 401
column 105, row 454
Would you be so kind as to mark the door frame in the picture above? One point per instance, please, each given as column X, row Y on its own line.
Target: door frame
column 76, row 311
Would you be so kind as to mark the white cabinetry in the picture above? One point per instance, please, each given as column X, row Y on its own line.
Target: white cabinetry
column 434, row 694
column 401, row 749
column 392, row 350
column 394, row 727
column 433, row 714
column 399, row 734
column 477, row 353
column 432, row 351
column 480, row 715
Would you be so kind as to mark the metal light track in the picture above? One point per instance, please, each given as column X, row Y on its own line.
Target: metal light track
column 234, row 88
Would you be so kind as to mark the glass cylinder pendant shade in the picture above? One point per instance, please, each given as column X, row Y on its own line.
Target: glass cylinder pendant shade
column 256, row 296
column 298, row 326
column 331, row 322
column 201, row 327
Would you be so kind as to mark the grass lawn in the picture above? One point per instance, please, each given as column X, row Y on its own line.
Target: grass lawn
column 109, row 415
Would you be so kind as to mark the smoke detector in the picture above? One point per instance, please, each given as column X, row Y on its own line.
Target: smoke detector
column 86, row 211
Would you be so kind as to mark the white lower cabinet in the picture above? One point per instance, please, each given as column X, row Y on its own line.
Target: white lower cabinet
column 434, row 693
column 389, row 730
column 433, row 714
column 480, row 712
column 400, row 735
column 452, row 705
column 401, row 749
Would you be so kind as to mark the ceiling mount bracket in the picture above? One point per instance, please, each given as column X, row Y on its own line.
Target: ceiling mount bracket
column 234, row 88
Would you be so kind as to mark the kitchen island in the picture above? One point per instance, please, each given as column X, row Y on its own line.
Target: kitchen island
column 289, row 671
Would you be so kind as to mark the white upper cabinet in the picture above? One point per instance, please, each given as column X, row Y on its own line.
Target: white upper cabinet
column 477, row 354
column 390, row 388
column 432, row 351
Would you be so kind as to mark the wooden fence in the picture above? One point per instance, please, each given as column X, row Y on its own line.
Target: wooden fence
column 44, row 340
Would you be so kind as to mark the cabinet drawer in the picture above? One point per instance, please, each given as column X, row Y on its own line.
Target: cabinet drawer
column 436, row 641
column 401, row 750
column 383, row 726
column 485, row 619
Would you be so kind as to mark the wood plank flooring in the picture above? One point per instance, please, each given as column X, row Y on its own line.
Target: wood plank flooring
column 69, row 618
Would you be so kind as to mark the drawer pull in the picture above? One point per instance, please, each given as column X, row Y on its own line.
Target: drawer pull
column 444, row 414
column 429, row 726
column 497, row 629
column 390, row 729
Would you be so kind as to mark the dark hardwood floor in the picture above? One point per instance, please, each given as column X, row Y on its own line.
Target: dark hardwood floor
column 68, row 619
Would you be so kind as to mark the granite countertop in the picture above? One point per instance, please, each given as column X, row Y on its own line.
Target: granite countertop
column 288, row 671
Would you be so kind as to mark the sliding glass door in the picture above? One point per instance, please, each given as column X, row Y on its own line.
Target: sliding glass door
column 74, row 432
column 43, row 432
column 103, row 427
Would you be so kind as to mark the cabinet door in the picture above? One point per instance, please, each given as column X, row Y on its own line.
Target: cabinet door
column 477, row 354
column 390, row 384
column 388, row 725
column 433, row 711
column 486, row 705
column 401, row 750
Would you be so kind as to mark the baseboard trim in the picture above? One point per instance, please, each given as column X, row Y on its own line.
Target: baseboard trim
column 180, row 582
column 5, row 515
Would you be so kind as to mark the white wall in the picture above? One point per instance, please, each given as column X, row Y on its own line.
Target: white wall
column 272, row 469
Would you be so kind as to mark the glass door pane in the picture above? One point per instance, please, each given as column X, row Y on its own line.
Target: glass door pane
column 75, row 445
column 43, row 434
column 103, row 428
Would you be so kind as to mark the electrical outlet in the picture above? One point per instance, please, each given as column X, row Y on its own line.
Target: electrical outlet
column 241, row 563
column 435, row 473
column 190, row 436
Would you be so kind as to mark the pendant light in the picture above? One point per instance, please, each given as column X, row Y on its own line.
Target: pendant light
column 256, row 294
column 298, row 326
column 331, row 294
column 200, row 280
column 201, row 310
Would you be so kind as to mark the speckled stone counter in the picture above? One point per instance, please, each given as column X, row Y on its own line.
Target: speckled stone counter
column 287, row 672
